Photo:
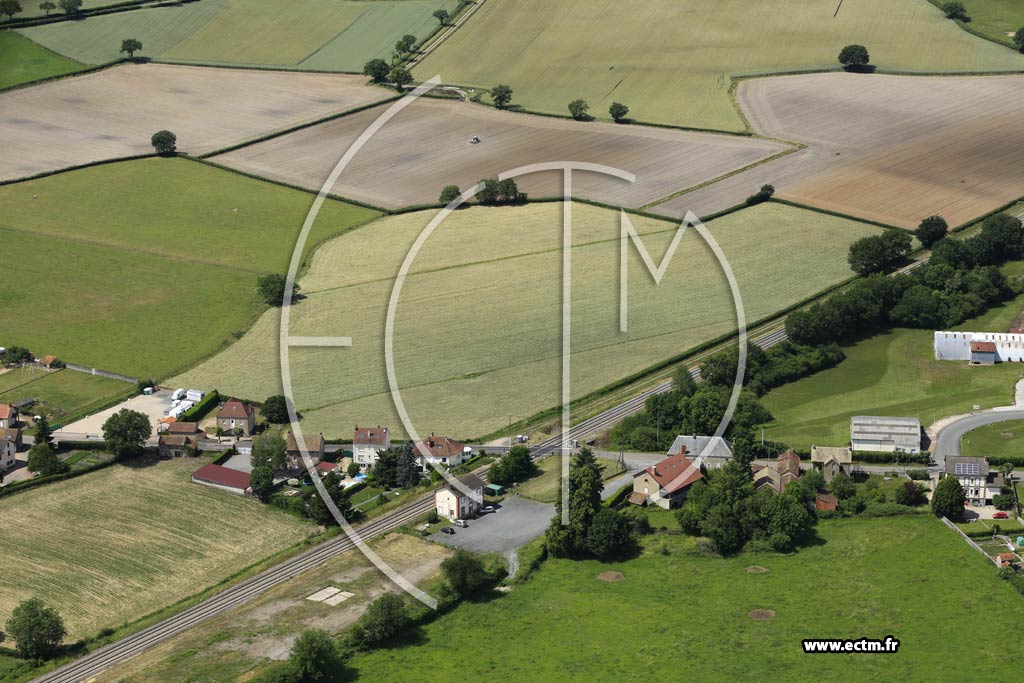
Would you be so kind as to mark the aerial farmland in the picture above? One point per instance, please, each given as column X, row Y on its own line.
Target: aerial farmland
column 358, row 340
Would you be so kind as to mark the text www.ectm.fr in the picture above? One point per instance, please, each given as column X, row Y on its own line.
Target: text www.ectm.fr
column 857, row 645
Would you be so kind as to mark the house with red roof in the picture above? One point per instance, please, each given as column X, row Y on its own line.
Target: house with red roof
column 666, row 483
column 236, row 416
column 367, row 442
column 8, row 416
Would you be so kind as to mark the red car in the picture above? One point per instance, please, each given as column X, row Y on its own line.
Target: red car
column 999, row 515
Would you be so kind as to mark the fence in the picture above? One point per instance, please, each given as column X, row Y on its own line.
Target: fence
column 967, row 538
column 101, row 373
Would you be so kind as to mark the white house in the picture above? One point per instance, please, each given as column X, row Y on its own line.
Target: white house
column 988, row 347
column 441, row 451
column 10, row 444
column 666, row 483
column 451, row 502
column 885, row 434
column 367, row 442
column 980, row 484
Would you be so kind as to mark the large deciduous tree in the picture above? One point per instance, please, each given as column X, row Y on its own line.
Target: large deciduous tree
column 948, row 499
column 125, row 432
column 36, row 629
column 854, row 57
column 501, row 96
column 164, row 142
column 131, row 46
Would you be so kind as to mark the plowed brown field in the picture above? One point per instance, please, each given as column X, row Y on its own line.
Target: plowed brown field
column 112, row 113
column 426, row 146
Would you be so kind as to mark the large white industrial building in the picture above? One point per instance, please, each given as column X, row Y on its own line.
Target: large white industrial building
column 1006, row 347
column 885, row 434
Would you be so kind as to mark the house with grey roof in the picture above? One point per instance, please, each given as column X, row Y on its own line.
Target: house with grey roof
column 980, row 483
column 832, row 460
column 711, row 452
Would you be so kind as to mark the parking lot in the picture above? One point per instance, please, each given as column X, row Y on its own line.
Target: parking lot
column 152, row 406
column 516, row 521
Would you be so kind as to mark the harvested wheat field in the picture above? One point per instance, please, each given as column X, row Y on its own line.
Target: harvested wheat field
column 427, row 146
column 892, row 149
column 673, row 61
column 477, row 334
column 111, row 546
column 112, row 113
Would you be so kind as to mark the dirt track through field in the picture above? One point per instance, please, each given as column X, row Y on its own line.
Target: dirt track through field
column 892, row 149
column 427, row 146
column 112, row 113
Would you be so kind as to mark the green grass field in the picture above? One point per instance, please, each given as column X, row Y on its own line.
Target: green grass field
column 61, row 394
column 24, row 61
column 672, row 61
column 477, row 336
column 995, row 18
column 111, row 546
column 564, row 624
column 324, row 35
column 145, row 267
column 545, row 486
column 891, row 374
column 1005, row 438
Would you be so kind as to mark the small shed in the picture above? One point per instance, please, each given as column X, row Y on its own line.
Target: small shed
column 494, row 490
column 983, row 353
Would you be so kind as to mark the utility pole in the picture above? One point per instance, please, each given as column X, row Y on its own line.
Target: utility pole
column 510, row 432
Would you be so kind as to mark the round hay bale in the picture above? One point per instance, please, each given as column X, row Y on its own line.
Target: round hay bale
column 761, row 614
column 611, row 577
column 756, row 569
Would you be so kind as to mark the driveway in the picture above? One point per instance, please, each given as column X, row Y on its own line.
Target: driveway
column 947, row 441
column 517, row 521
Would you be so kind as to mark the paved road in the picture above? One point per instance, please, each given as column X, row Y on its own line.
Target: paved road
column 947, row 441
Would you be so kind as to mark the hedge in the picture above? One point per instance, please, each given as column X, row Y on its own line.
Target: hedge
column 620, row 496
column 18, row 486
column 872, row 457
column 196, row 412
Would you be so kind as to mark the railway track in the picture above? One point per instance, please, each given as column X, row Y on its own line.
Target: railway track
column 95, row 662
column 90, row 665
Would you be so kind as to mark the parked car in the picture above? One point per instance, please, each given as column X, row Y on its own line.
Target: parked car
column 460, row 523
column 1000, row 515
column 485, row 509
column 448, row 530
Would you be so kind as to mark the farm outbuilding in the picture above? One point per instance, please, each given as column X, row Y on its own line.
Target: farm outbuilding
column 223, row 478
column 980, row 348
column 885, row 434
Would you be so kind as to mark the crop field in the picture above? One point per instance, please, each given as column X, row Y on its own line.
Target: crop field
column 672, row 62
column 24, row 61
column 31, row 8
column 495, row 272
column 93, row 548
column 881, row 583
column 891, row 374
column 995, row 19
column 232, row 644
column 893, row 149
column 151, row 274
column 60, row 393
column 75, row 121
column 319, row 35
column 426, row 147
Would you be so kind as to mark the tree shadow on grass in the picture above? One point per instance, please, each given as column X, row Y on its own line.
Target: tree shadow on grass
column 860, row 68
column 147, row 459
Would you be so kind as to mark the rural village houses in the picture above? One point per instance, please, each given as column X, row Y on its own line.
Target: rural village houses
column 778, row 476
column 315, row 445
column 367, row 442
column 8, row 416
column 453, row 503
column 440, row 450
column 709, row 452
column 10, row 444
column 237, row 415
column 832, row 460
column 666, row 483
column 980, row 483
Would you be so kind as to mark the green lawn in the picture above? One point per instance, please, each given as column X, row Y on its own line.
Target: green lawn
column 545, row 486
column 145, row 267
column 672, row 61
column 995, row 18
column 324, row 35
column 908, row 577
column 24, row 61
column 891, row 374
column 63, row 394
column 1005, row 438
column 477, row 336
